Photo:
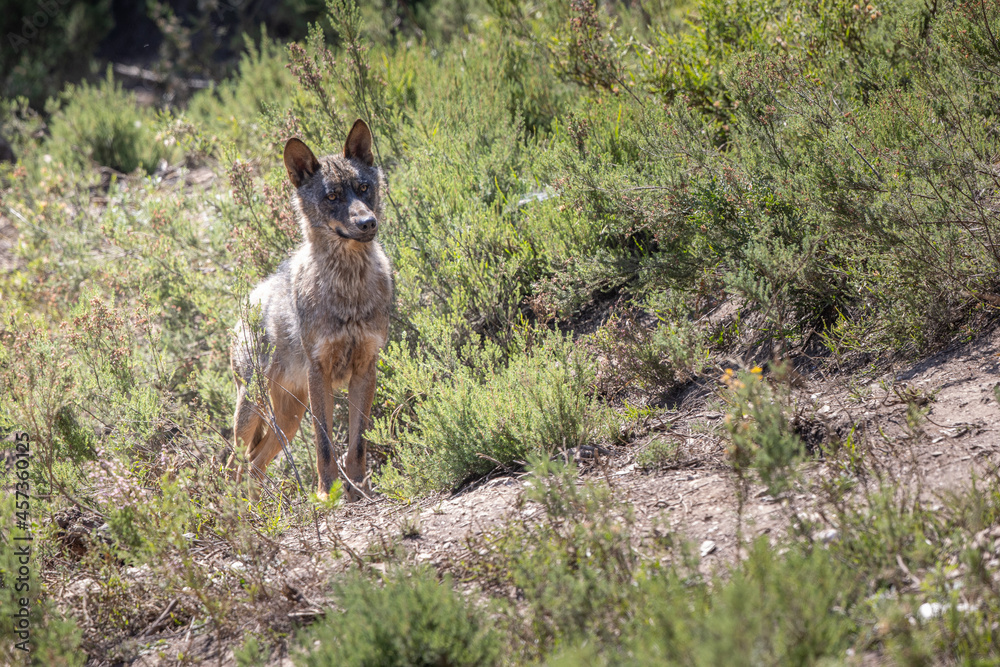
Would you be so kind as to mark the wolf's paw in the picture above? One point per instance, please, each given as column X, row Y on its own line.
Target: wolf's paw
column 329, row 498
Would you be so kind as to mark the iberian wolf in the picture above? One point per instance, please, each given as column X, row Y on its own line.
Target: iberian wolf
column 325, row 316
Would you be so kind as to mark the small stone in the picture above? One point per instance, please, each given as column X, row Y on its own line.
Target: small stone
column 826, row 536
column 930, row 610
column 979, row 540
column 808, row 517
column 707, row 547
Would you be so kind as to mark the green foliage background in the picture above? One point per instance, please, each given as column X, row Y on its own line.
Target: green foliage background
column 574, row 187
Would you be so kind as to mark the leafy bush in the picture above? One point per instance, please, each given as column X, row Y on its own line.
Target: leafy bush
column 103, row 124
column 575, row 566
column 951, row 543
column 410, row 620
column 789, row 609
column 477, row 417
column 635, row 358
column 233, row 108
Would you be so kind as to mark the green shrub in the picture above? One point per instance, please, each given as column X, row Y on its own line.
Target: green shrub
column 570, row 569
column 892, row 538
column 892, row 521
column 233, row 109
column 49, row 638
column 761, row 437
column 640, row 359
column 466, row 422
column 250, row 654
column 576, row 565
column 689, row 63
column 102, row 124
column 790, row 609
column 411, row 620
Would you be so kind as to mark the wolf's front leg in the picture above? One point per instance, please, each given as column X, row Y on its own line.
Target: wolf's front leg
column 360, row 394
column 321, row 404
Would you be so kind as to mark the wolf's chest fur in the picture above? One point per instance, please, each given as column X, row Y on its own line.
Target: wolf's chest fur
column 342, row 303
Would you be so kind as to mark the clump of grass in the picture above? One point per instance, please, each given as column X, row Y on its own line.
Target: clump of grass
column 657, row 454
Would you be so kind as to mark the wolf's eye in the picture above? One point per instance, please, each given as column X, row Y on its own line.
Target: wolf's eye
column 363, row 187
column 333, row 195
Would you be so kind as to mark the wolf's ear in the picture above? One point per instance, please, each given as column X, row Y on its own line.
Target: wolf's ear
column 299, row 161
column 359, row 143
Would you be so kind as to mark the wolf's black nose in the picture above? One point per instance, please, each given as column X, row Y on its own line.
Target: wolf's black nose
column 367, row 224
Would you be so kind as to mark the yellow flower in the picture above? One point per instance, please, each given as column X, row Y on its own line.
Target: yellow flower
column 756, row 369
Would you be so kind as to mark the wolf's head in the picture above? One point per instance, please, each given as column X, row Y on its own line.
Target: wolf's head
column 338, row 198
